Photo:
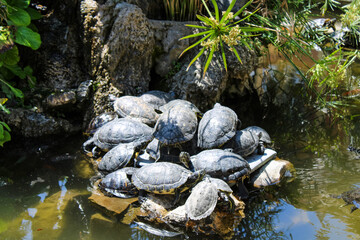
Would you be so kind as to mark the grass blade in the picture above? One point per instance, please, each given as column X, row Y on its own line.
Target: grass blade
column 223, row 54
column 195, row 44
column 196, row 57
column 209, row 60
column 216, row 10
column 196, row 34
column 236, row 54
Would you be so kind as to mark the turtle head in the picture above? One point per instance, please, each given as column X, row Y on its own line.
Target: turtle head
column 196, row 176
column 184, row 158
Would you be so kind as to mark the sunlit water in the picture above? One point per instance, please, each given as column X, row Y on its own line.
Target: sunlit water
column 45, row 196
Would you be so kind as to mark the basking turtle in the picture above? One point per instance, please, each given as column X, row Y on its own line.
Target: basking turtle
column 157, row 98
column 119, row 130
column 217, row 126
column 118, row 157
column 183, row 103
column 244, row 143
column 202, row 200
column 118, row 183
column 99, row 121
column 264, row 137
column 351, row 197
column 218, row 163
column 165, row 178
column 175, row 126
column 136, row 108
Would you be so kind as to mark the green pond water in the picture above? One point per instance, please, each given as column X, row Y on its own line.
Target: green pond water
column 44, row 191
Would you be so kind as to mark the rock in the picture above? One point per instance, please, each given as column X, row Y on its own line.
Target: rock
column 272, row 173
column 151, row 8
column 111, row 205
column 98, row 222
column 121, row 63
column 33, row 124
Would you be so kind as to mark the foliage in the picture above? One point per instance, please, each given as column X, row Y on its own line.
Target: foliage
column 182, row 10
column 218, row 31
column 351, row 20
column 15, row 28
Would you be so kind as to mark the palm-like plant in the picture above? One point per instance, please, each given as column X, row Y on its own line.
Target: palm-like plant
column 217, row 31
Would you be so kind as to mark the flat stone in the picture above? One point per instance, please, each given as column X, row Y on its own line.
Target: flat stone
column 112, row 205
column 271, row 173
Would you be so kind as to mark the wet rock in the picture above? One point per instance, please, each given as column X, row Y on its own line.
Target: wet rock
column 272, row 173
column 32, row 124
column 111, row 205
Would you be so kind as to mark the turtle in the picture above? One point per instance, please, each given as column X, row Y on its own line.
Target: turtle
column 202, row 200
column 157, row 98
column 219, row 163
column 217, row 126
column 136, row 108
column 118, row 157
column 351, row 197
column 204, row 197
column 118, row 183
column 165, row 178
column 264, row 137
column 175, row 126
column 99, row 121
column 183, row 103
column 119, row 130
column 243, row 143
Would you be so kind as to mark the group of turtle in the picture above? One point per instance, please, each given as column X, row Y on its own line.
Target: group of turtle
column 154, row 143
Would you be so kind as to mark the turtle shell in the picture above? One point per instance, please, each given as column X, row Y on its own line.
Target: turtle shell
column 161, row 178
column 221, row 185
column 99, row 121
column 244, row 143
column 222, row 164
column 217, row 126
column 118, row 183
column 177, row 125
column 136, row 108
column 118, row 157
column 180, row 102
column 265, row 137
column 122, row 130
column 202, row 201
column 157, row 98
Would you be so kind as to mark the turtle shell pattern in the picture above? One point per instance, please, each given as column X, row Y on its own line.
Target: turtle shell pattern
column 161, row 177
column 118, row 157
column 202, row 200
column 157, row 98
column 180, row 102
column 122, row 130
column 135, row 107
column 217, row 126
column 118, row 183
column 221, row 164
column 265, row 137
column 244, row 143
column 177, row 125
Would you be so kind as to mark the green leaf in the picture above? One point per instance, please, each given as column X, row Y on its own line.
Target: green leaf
column 27, row 37
column 243, row 8
column 1, row 131
column 197, row 34
column 6, row 138
column 195, row 44
column 17, row 92
column 209, row 60
column 223, row 53
column 197, row 26
column 216, row 10
column 35, row 15
column 4, row 109
column 227, row 11
column 196, row 57
column 10, row 57
column 17, row 70
column 207, row 9
column 205, row 20
column 19, row 16
column 236, row 54
column 20, row 3
column 6, row 126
